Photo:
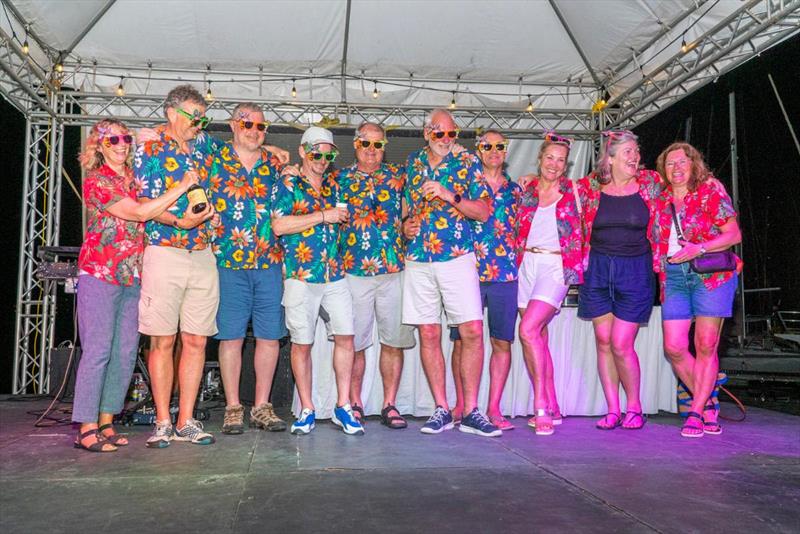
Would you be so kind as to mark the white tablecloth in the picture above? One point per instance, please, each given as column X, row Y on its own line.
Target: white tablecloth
column 574, row 363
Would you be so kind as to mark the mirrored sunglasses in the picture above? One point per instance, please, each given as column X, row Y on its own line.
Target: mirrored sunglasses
column 486, row 147
column 439, row 134
column 248, row 125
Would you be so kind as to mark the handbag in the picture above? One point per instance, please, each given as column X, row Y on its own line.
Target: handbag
column 710, row 262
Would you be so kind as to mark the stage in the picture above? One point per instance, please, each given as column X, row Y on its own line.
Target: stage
column 579, row 480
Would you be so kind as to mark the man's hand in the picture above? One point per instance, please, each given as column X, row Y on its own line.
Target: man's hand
column 335, row 215
column 411, row 227
column 281, row 154
column 433, row 189
column 190, row 219
column 144, row 135
column 291, row 170
column 189, row 179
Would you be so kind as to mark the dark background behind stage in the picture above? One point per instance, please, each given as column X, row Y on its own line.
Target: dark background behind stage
column 769, row 169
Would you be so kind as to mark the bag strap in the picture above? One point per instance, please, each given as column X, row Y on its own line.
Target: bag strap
column 577, row 197
column 677, row 222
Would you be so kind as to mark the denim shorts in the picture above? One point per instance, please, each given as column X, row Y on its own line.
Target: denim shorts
column 622, row 285
column 500, row 301
column 250, row 294
column 687, row 297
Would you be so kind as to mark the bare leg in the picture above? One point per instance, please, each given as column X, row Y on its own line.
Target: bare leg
column 499, row 365
column 706, row 366
column 532, row 335
column 606, row 368
column 391, row 364
column 430, row 352
column 301, row 367
column 230, row 367
column 265, row 362
column 190, row 372
column 472, row 354
column 357, row 379
column 623, row 334
column 455, row 364
column 343, row 367
column 159, row 365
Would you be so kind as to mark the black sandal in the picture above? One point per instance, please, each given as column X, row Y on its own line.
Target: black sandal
column 632, row 418
column 690, row 431
column 395, row 422
column 113, row 439
column 97, row 446
column 360, row 411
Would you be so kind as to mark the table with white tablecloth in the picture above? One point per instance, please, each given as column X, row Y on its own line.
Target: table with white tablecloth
column 574, row 364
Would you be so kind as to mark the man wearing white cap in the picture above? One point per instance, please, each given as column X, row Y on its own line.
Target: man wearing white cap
column 306, row 215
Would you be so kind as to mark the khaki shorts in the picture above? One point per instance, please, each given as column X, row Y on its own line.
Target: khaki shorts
column 541, row 277
column 453, row 283
column 304, row 303
column 378, row 298
column 180, row 288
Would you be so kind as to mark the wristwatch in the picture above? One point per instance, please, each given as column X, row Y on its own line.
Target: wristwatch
column 456, row 198
column 702, row 250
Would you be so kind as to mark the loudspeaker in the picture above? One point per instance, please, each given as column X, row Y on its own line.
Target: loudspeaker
column 282, row 390
column 59, row 359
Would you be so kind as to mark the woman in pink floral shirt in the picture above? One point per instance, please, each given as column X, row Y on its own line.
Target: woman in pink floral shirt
column 550, row 257
column 696, row 217
column 108, row 283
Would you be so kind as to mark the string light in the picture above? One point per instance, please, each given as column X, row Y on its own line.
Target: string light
column 209, row 94
column 294, row 89
column 375, row 90
column 59, row 67
column 25, row 46
column 120, row 87
column 529, row 109
column 453, row 101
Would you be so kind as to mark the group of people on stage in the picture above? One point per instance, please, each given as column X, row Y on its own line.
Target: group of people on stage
column 278, row 246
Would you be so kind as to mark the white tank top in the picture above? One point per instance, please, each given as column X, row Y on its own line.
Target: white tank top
column 544, row 232
column 674, row 246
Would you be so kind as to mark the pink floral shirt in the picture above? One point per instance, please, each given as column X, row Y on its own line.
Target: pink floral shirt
column 112, row 249
column 568, row 224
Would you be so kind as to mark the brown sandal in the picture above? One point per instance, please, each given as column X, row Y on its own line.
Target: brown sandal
column 114, row 439
column 395, row 422
column 97, row 446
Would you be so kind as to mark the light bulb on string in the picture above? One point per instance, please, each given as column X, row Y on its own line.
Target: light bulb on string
column 25, row 47
column 294, row 89
column 375, row 90
column 120, row 87
column 453, row 101
column 209, row 94
column 529, row 109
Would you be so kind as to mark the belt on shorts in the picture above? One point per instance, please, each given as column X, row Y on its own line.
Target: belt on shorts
column 537, row 250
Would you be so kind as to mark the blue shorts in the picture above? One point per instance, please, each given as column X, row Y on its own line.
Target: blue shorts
column 500, row 301
column 687, row 297
column 246, row 294
column 622, row 285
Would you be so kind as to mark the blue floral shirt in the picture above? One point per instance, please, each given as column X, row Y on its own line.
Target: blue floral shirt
column 244, row 238
column 496, row 239
column 445, row 233
column 311, row 256
column 371, row 241
column 158, row 166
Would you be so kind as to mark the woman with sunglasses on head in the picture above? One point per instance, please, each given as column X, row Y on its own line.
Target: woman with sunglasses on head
column 108, row 283
column 697, row 217
column 620, row 203
column 549, row 241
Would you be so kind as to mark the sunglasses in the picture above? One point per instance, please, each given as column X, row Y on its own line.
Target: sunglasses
column 316, row 156
column 363, row 143
column 555, row 138
column 439, row 134
column 248, row 125
column 115, row 139
column 198, row 120
column 487, row 147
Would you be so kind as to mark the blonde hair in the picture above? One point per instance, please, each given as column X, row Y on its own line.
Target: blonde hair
column 547, row 144
column 700, row 172
column 92, row 156
column 615, row 138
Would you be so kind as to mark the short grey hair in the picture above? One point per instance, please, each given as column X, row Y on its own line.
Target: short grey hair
column 180, row 94
column 245, row 106
column 433, row 113
column 367, row 124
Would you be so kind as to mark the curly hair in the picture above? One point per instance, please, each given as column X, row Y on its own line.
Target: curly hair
column 615, row 138
column 92, row 156
column 180, row 94
column 700, row 172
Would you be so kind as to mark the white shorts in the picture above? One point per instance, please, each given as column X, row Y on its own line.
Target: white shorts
column 303, row 303
column 378, row 298
column 453, row 283
column 541, row 277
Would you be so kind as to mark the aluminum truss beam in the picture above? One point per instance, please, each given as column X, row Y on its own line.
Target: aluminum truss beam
column 751, row 29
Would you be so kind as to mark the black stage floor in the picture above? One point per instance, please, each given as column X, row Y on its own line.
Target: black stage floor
column 578, row 480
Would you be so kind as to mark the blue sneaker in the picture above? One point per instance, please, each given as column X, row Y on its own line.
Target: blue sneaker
column 440, row 421
column 304, row 423
column 343, row 417
column 477, row 423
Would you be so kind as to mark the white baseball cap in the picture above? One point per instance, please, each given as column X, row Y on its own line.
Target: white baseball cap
column 317, row 136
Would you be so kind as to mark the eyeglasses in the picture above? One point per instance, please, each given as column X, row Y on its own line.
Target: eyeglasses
column 363, row 143
column 555, row 138
column 247, row 125
column 115, row 139
column 439, row 134
column 316, row 156
column 198, row 120
column 486, row 147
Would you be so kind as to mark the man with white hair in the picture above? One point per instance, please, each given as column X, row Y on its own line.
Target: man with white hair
column 443, row 193
column 306, row 214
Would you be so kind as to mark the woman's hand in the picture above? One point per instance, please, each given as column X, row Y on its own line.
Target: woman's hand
column 689, row 252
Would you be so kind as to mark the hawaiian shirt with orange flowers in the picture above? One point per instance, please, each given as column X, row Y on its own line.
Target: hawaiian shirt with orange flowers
column 371, row 241
column 496, row 239
column 311, row 256
column 112, row 249
column 244, row 238
column 705, row 210
column 568, row 226
column 445, row 233
column 158, row 166
column 650, row 185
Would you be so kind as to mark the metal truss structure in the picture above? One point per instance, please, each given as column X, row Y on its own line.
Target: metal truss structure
column 42, row 94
